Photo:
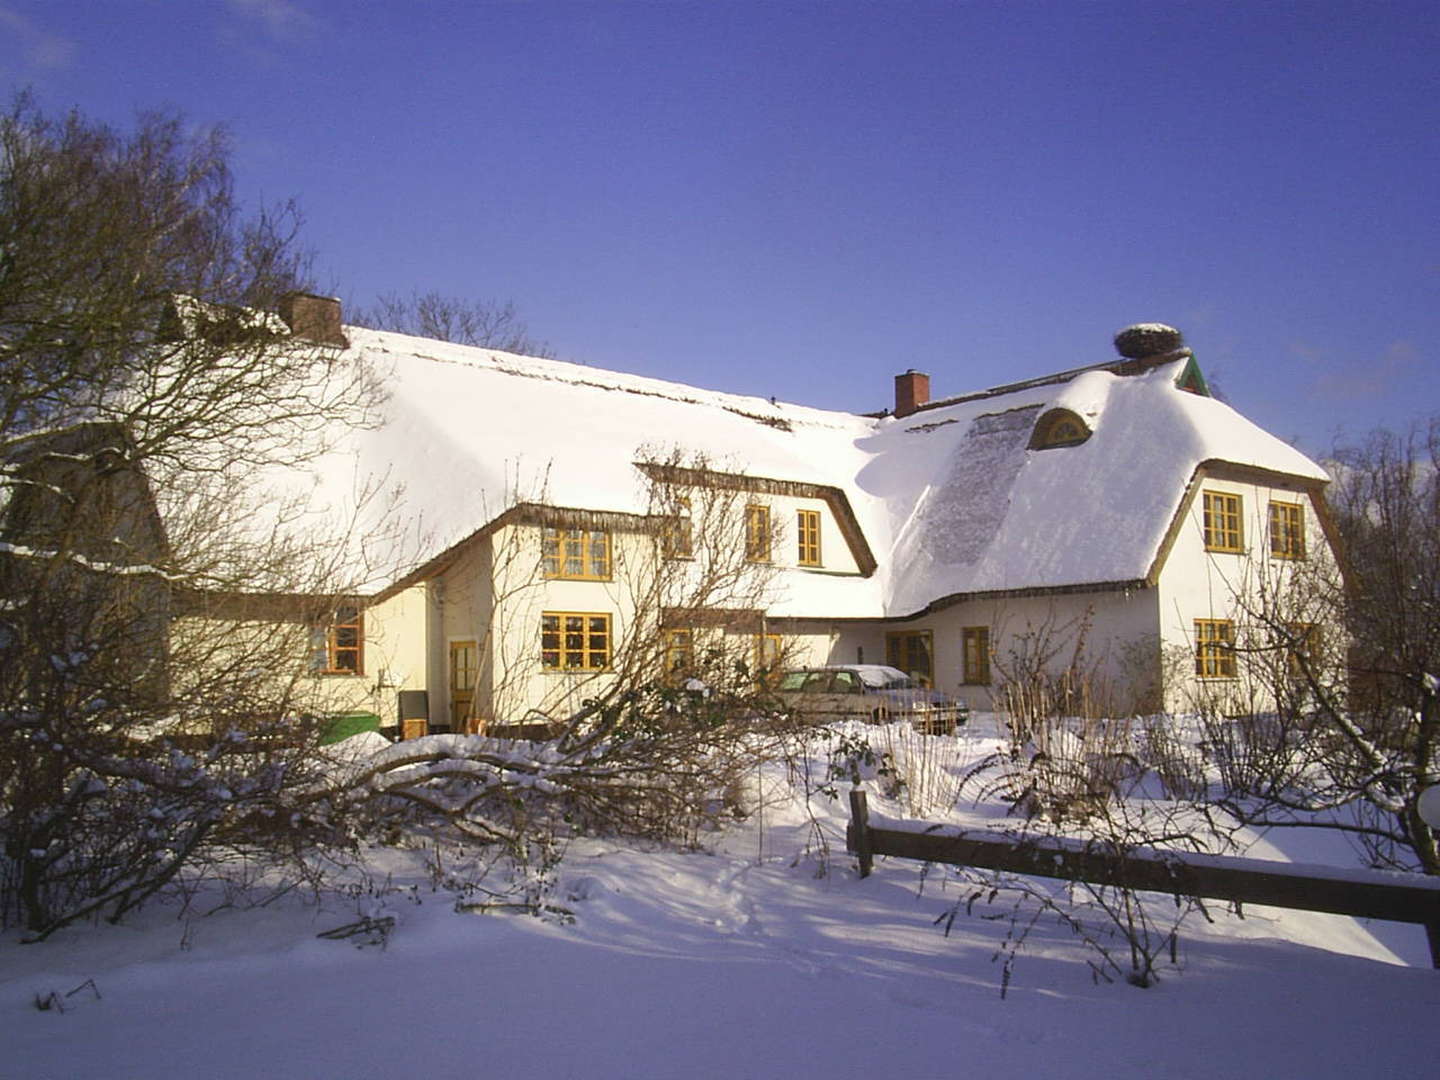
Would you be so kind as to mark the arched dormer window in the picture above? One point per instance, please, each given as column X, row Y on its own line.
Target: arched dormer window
column 1058, row 427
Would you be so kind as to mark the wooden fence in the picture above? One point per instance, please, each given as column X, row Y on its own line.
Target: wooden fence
column 1368, row 894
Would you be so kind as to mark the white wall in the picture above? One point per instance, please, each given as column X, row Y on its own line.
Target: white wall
column 1120, row 631
column 394, row 658
column 1200, row 584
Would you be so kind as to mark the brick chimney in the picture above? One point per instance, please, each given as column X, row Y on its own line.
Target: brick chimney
column 314, row 318
column 911, row 391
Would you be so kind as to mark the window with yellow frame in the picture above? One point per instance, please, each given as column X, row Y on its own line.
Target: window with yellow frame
column 975, row 655
column 1303, row 649
column 575, row 554
column 1224, row 521
column 807, row 535
column 757, row 533
column 341, row 644
column 679, row 651
column 769, row 653
column 1287, row 530
column 1215, row 648
column 677, row 541
column 575, row 640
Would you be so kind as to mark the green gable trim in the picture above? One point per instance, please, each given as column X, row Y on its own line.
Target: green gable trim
column 1193, row 379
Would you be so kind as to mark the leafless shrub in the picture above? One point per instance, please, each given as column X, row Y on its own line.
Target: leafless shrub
column 1174, row 757
column 1129, row 934
column 1067, row 753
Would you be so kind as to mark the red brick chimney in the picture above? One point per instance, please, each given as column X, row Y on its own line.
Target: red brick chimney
column 911, row 391
column 314, row 318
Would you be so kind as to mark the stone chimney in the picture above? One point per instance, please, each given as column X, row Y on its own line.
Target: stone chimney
column 313, row 318
column 911, row 391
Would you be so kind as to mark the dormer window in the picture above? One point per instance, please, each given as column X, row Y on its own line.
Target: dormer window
column 1059, row 427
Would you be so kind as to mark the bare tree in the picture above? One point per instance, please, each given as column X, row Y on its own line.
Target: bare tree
column 450, row 318
column 148, row 711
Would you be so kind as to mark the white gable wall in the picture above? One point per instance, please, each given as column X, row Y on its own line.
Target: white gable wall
column 1196, row 583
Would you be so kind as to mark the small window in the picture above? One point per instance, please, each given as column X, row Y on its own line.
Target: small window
column 679, row 651
column 1303, row 648
column 807, row 533
column 574, row 641
column 975, row 641
column 1224, row 530
column 1287, row 530
column 576, row 554
column 769, row 650
column 757, row 533
column 677, row 540
column 1215, row 648
column 344, row 643
column 1059, row 427
column 912, row 652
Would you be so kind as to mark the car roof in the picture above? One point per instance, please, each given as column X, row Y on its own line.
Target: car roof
column 878, row 669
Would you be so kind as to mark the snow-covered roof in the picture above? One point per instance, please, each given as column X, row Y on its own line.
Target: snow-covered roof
column 950, row 499
column 973, row 509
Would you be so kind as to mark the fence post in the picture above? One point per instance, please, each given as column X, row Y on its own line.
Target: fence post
column 860, row 831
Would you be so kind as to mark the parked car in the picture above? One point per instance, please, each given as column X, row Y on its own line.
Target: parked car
column 870, row 692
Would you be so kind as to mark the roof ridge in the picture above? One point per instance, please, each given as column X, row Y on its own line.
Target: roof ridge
column 1119, row 366
column 546, row 369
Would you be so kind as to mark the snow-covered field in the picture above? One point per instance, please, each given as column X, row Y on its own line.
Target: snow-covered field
column 762, row 956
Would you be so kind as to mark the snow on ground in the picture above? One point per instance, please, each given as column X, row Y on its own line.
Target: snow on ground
column 762, row 956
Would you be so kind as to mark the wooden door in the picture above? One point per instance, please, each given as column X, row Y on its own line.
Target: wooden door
column 464, row 670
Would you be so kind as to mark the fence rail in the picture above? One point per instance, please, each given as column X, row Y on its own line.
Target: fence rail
column 1368, row 894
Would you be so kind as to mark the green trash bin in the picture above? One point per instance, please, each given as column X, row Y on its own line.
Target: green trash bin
column 348, row 724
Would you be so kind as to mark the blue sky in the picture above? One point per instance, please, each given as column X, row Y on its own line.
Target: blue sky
column 803, row 199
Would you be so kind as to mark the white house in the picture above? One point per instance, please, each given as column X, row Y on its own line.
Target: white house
column 1118, row 500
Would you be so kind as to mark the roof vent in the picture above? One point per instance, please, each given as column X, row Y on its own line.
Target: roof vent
column 1148, row 339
